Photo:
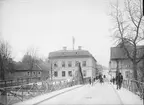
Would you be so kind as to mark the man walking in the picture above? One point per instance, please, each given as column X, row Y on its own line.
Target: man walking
column 119, row 80
column 90, row 81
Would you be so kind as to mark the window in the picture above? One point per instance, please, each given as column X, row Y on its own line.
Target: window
column 34, row 73
column 28, row 73
column 55, row 73
column 76, row 63
column 69, row 64
column 84, row 73
column 39, row 73
column 70, row 73
column 63, row 73
column 127, row 74
column 63, row 64
column 55, row 64
column 84, row 63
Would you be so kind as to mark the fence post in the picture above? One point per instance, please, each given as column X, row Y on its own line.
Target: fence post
column 22, row 92
column 143, row 96
column 4, row 94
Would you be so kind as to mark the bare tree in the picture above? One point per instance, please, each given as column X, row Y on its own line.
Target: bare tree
column 5, row 59
column 30, row 58
column 129, row 28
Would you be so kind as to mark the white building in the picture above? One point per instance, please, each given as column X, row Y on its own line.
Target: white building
column 64, row 63
column 120, row 62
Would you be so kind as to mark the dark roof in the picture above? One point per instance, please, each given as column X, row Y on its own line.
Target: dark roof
column 40, row 66
column 70, row 53
column 119, row 52
column 45, row 66
column 26, row 70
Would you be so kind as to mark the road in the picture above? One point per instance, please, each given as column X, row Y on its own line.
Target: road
column 94, row 95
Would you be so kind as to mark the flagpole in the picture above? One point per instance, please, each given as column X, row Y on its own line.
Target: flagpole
column 73, row 40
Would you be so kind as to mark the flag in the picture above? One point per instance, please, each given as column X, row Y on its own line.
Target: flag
column 73, row 42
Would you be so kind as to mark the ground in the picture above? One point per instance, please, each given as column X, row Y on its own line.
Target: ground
column 98, row 94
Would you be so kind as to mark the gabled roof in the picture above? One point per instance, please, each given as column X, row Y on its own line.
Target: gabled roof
column 70, row 53
column 117, row 53
column 39, row 66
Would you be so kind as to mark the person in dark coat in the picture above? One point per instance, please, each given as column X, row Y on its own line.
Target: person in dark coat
column 113, row 80
column 104, row 76
column 90, row 81
column 101, row 79
column 119, row 80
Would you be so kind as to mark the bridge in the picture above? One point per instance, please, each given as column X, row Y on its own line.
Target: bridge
column 72, row 92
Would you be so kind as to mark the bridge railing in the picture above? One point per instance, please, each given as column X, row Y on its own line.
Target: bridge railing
column 16, row 91
column 134, row 86
column 18, row 81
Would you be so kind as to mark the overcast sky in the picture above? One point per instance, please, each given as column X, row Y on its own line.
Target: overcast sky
column 48, row 25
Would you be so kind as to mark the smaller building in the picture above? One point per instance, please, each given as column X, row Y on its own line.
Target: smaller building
column 119, row 60
column 21, row 70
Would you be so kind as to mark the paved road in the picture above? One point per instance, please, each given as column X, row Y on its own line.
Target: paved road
column 96, row 95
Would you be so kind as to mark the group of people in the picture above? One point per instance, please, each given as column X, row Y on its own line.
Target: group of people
column 100, row 78
column 118, row 80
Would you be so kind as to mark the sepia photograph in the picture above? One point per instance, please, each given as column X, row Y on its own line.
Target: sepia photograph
column 71, row 52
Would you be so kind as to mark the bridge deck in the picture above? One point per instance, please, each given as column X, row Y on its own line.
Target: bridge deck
column 95, row 95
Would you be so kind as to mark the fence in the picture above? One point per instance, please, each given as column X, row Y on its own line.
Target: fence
column 18, row 81
column 16, row 91
column 136, row 87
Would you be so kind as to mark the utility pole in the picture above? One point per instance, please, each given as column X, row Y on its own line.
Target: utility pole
column 73, row 41
column 80, row 76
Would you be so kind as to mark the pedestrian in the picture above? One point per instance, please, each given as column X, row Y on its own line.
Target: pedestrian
column 104, row 76
column 113, row 80
column 101, row 79
column 119, row 80
column 90, row 81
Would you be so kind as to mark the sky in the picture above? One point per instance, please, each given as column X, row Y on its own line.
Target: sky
column 49, row 25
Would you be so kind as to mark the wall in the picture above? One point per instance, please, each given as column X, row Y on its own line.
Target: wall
column 125, row 67
column 89, row 67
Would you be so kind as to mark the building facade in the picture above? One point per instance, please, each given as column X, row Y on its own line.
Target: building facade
column 120, row 62
column 64, row 64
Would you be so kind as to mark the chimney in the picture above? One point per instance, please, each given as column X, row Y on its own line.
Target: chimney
column 64, row 48
column 79, row 47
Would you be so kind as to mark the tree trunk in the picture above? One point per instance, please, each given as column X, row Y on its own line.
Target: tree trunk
column 135, row 70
